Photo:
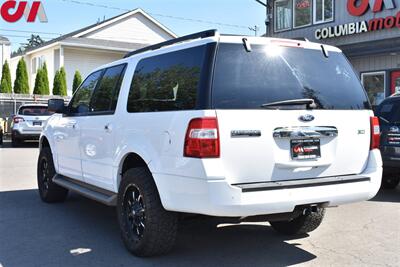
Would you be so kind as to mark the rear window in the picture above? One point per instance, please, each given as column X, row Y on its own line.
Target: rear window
column 247, row 80
column 34, row 111
column 389, row 111
column 167, row 82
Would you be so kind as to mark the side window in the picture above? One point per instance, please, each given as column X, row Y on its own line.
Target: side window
column 80, row 102
column 167, row 82
column 106, row 94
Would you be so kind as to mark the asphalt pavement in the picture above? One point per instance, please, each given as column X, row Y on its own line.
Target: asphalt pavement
column 81, row 232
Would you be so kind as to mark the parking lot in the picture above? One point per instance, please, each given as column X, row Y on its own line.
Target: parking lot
column 81, row 232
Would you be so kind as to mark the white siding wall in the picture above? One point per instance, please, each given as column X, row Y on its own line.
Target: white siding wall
column 48, row 55
column 85, row 61
column 134, row 29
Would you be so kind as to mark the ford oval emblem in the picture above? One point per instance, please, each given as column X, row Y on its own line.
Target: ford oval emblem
column 307, row 118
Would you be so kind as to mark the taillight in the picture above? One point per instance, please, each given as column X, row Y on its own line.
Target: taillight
column 375, row 133
column 18, row 119
column 202, row 138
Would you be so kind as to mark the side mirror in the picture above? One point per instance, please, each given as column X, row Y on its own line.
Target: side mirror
column 56, row 105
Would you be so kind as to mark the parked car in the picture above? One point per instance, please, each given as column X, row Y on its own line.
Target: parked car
column 28, row 122
column 249, row 128
column 389, row 115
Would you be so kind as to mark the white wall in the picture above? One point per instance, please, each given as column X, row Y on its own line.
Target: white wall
column 134, row 29
column 85, row 61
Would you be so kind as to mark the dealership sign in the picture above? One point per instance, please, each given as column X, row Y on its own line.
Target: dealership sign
column 358, row 8
column 13, row 11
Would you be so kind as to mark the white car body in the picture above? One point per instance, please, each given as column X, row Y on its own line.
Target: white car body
column 92, row 150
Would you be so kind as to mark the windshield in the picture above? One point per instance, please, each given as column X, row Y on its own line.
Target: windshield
column 247, row 80
column 34, row 111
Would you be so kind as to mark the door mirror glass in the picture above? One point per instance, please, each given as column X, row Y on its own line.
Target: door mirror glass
column 56, row 105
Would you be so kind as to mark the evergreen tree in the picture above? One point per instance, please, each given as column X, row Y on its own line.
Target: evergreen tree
column 63, row 77
column 57, row 84
column 45, row 77
column 21, row 84
column 39, row 83
column 77, row 81
column 5, row 85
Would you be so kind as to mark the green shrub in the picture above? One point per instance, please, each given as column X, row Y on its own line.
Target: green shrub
column 77, row 81
column 5, row 85
column 21, row 84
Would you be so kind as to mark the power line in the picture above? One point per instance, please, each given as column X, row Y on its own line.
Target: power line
column 18, row 36
column 48, row 33
column 157, row 15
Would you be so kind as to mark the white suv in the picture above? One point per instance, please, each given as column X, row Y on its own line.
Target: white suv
column 228, row 126
column 28, row 123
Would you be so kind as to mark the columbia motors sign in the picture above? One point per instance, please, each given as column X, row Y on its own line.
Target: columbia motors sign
column 359, row 8
column 13, row 11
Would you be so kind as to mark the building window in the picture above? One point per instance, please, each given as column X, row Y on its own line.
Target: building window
column 283, row 15
column 302, row 13
column 323, row 11
column 374, row 84
column 37, row 63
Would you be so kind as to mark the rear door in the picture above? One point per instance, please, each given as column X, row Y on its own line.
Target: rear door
column 97, row 130
column 283, row 142
column 68, row 129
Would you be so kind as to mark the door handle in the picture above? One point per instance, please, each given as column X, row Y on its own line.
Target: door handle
column 108, row 128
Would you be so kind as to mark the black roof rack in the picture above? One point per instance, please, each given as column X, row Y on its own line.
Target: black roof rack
column 199, row 35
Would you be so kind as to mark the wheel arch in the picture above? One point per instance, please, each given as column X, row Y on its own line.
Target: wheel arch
column 128, row 161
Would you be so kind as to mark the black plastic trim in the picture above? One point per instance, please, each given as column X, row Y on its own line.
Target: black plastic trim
column 199, row 35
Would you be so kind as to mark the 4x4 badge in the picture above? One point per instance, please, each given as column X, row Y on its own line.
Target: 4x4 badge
column 307, row 118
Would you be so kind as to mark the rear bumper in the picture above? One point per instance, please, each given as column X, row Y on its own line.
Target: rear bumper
column 26, row 135
column 219, row 198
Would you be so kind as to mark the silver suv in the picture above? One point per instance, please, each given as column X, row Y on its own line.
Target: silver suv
column 28, row 123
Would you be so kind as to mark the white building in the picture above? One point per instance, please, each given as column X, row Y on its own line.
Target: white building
column 93, row 46
column 5, row 52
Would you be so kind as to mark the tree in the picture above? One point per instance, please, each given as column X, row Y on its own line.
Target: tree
column 33, row 41
column 60, row 83
column 39, row 85
column 63, row 77
column 21, row 84
column 5, row 85
column 56, row 83
column 45, row 77
column 77, row 81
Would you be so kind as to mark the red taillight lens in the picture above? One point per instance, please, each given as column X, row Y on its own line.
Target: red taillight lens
column 375, row 133
column 18, row 119
column 202, row 138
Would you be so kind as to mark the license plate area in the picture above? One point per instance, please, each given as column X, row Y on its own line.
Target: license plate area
column 303, row 149
column 37, row 123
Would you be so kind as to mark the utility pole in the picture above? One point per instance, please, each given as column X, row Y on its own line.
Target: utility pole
column 255, row 30
column 267, row 12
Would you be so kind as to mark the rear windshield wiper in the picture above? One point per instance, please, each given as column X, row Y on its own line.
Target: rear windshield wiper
column 309, row 102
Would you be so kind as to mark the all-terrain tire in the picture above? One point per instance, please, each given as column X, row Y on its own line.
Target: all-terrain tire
column 303, row 224
column 160, row 226
column 49, row 192
column 390, row 182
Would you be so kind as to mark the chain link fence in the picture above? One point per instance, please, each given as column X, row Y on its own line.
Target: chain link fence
column 10, row 103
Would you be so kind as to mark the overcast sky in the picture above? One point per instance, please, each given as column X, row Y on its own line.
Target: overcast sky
column 228, row 16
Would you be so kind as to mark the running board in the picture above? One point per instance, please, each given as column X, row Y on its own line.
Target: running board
column 98, row 194
column 253, row 187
